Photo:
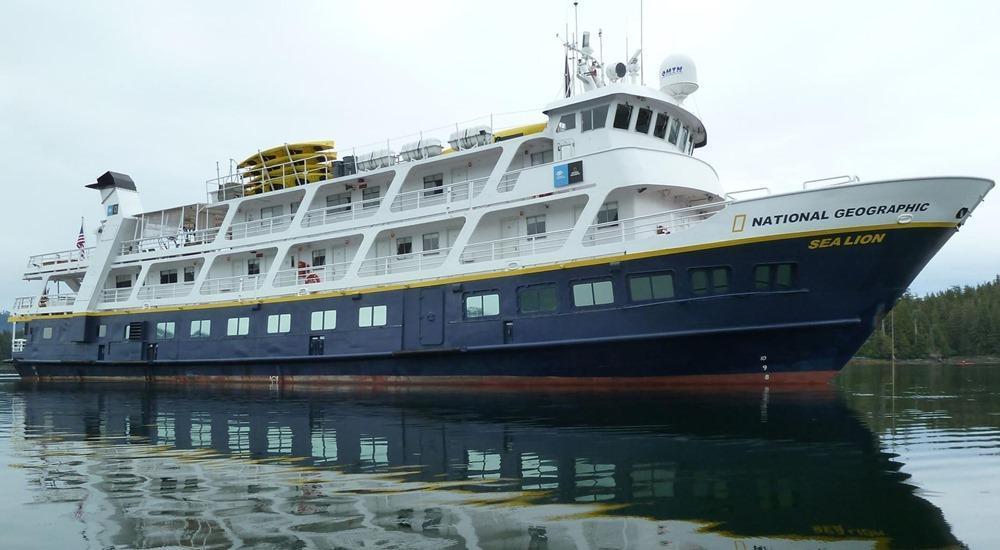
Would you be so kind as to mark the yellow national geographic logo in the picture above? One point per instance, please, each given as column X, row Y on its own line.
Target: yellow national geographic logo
column 739, row 222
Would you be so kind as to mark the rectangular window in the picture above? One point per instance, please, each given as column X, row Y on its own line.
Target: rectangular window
column 675, row 125
column 370, row 194
column 596, row 293
column 201, row 329
column 404, row 245
column 536, row 224
column 608, row 213
column 709, row 280
column 657, row 286
column 47, row 333
column 102, row 331
column 189, row 274
column 660, row 129
column 566, row 122
column 123, row 281
column 372, row 316
column 281, row 322
column 643, row 120
column 594, row 118
column 165, row 331
column 238, row 326
column 253, row 266
column 482, row 305
column 537, row 298
column 432, row 241
column 774, row 276
column 541, row 157
column 294, row 207
column 433, row 185
column 168, row 276
column 623, row 115
column 323, row 320
column 342, row 200
column 682, row 143
column 319, row 257
column 270, row 212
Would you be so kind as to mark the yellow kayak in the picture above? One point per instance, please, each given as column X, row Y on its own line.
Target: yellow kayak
column 518, row 131
column 274, row 155
column 285, row 181
column 307, row 165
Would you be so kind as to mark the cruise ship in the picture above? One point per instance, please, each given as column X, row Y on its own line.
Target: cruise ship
column 592, row 246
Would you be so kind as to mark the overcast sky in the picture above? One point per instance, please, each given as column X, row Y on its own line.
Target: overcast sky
column 790, row 91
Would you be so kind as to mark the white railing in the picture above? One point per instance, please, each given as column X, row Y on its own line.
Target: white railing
column 17, row 345
column 311, row 275
column 509, row 180
column 264, row 226
column 834, row 180
column 112, row 295
column 341, row 212
column 167, row 242
column 24, row 303
column 414, row 261
column 239, row 283
column 56, row 300
column 64, row 259
column 454, row 192
column 170, row 290
column 762, row 191
column 640, row 227
column 514, row 247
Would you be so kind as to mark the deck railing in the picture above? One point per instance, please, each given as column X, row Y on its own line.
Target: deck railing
column 341, row 212
column 64, row 259
column 451, row 193
column 640, row 227
column 509, row 180
column 264, row 226
column 160, row 292
column 239, row 283
column 400, row 263
column 23, row 303
column 311, row 275
column 514, row 247
column 112, row 295
column 167, row 242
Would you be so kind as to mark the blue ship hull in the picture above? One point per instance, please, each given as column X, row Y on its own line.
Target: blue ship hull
column 801, row 334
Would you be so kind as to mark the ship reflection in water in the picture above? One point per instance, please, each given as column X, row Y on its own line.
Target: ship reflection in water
column 135, row 467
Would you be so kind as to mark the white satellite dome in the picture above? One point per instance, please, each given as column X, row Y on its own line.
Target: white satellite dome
column 678, row 77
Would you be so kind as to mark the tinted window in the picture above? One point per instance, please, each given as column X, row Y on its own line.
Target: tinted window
column 567, row 122
column 774, row 276
column 623, row 115
column 643, row 119
column 596, row 293
column 674, row 127
column 660, row 129
column 657, row 286
column 710, row 280
column 537, row 299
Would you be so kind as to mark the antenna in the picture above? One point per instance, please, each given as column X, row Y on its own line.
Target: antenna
column 642, row 77
column 600, row 42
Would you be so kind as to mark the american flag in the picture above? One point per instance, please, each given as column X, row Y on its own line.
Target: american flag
column 81, row 240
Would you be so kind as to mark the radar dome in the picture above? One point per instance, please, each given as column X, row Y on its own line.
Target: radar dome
column 678, row 77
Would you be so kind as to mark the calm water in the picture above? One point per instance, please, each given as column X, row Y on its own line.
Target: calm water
column 858, row 466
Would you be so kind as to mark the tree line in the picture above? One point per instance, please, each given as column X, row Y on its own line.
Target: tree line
column 958, row 322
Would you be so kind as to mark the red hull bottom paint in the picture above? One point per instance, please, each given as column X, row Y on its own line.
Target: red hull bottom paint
column 707, row 381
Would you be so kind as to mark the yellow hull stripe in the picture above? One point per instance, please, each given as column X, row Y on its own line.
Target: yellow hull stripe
column 597, row 260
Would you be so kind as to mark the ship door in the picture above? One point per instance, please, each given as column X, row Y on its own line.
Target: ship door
column 100, row 352
column 431, row 316
column 151, row 351
column 566, row 148
column 317, row 345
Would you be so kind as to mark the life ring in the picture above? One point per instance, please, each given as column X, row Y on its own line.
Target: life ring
column 311, row 278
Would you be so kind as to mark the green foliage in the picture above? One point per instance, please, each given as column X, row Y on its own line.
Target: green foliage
column 960, row 321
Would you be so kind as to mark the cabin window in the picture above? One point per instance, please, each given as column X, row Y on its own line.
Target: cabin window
column 655, row 286
column 623, row 115
column 709, row 280
column 608, row 213
column 372, row 316
column 294, row 207
column 404, row 245
column 168, row 276
column 47, row 333
column 595, row 293
column 165, row 330
column 536, row 224
column 323, row 320
column 482, row 305
column 238, row 326
column 189, row 274
column 431, row 241
column 774, row 276
column 253, row 266
column 566, row 122
column 102, row 331
column 201, row 329
column 541, row 157
column 123, row 281
column 660, row 129
column 433, row 185
column 343, row 200
column 370, row 194
column 684, row 138
column 270, row 212
column 537, row 298
column 674, row 128
column 643, row 119
column 319, row 257
column 594, row 118
column 281, row 322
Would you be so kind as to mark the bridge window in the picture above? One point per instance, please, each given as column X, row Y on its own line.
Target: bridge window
column 537, row 298
column 654, row 286
column 566, row 122
column 238, row 326
column 372, row 316
column 201, row 329
column 168, row 276
column 643, row 119
column 165, row 331
column 279, row 323
column 323, row 320
column 660, row 129
column 594, row 118
column 684, row 138
column 709, row 280
column 595, row 293
column 774, row 276
column 482, row 305
column 623, row 115
column 674, row 127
